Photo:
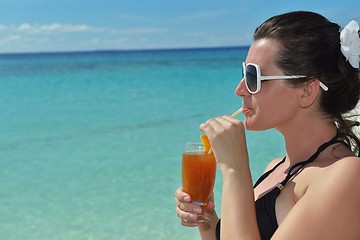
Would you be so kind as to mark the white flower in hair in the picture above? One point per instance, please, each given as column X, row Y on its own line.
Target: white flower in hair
column 350, row 43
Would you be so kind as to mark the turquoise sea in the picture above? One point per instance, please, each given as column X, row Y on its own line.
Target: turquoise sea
column 91, row 142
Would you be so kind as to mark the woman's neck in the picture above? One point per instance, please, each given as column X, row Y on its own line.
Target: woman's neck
column 303, row 139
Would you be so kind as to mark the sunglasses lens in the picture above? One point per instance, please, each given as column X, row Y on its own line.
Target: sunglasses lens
column 250, row 78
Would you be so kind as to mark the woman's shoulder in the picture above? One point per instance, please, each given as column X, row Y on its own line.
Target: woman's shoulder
column 341, row 176
column 346, row 169
column 343, row 166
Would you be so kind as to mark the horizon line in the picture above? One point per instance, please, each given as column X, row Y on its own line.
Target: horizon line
column 122, row 50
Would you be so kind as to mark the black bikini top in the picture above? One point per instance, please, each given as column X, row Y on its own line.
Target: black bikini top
column 265, row 205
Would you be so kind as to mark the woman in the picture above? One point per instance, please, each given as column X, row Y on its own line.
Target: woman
column 314, row 191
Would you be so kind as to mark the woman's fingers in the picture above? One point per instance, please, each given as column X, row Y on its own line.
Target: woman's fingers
column 218, row 124
column 187, row 219
column 185, row 210
column 181, row 195
column 188, row 207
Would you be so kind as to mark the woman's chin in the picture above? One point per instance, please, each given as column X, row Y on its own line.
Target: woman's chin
column 252, row 126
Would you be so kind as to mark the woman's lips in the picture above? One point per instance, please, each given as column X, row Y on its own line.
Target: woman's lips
column 246, row 109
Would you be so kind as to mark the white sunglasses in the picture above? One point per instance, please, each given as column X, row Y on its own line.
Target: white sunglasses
column 253, row 78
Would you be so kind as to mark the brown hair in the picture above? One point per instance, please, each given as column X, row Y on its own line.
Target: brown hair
column 310, row 46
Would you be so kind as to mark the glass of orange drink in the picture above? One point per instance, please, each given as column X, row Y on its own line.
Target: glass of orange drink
column 198, row 174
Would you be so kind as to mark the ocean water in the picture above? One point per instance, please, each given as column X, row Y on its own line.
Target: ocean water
column 91, row 142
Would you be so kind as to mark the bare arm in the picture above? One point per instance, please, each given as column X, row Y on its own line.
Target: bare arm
column 238, row 209
column 238, row 216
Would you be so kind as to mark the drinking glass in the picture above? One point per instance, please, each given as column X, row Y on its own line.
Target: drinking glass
column 198, row 175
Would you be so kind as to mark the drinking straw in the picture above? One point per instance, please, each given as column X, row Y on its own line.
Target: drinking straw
column 233, row 115
column 237, row 112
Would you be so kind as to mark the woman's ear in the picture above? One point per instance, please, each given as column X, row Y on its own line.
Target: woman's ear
column 309, row 93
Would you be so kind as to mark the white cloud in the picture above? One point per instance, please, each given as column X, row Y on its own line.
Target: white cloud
column 24, row 27
column 53, row 28
column 27, row 28
column 2, row 28
column 10, row 39
column 30, row 37
column 59, row 28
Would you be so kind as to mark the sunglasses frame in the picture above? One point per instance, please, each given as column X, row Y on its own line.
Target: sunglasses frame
column 260, row 78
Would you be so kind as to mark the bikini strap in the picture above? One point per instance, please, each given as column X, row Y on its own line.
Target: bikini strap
column 298, row 166
column 268, row 173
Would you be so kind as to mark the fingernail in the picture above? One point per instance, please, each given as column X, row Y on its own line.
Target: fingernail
column 197, row 210
column 193, row 216
column 210, row 205
column 187, row 199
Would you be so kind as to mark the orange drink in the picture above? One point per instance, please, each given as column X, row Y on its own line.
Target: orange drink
column 198, row 172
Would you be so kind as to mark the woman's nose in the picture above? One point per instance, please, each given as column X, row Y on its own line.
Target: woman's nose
column 241, row 89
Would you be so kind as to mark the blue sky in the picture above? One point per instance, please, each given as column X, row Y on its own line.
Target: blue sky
column 71, row 25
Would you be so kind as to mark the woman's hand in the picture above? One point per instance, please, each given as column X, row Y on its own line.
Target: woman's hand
column 188, row 212
column 227, row 138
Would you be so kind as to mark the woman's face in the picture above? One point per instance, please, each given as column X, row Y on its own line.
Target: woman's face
column 276, row 103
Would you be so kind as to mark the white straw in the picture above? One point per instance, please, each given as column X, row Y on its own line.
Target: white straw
column 237, row 112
